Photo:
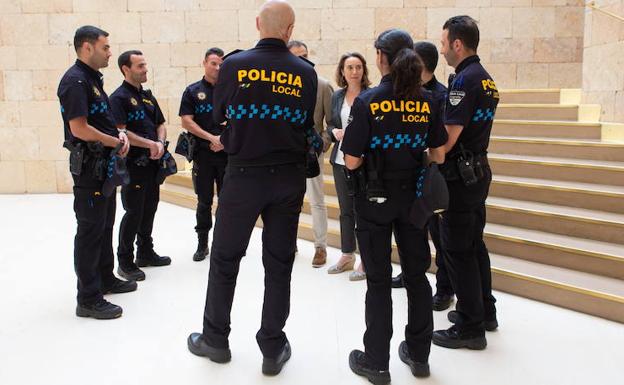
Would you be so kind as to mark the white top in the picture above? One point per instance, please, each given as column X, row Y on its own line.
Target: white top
column 345, row 111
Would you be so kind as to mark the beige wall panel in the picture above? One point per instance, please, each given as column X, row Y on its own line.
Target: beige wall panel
column 51, row 143
column 40, row 176
column 123, row 27
column 24, row 29
column 9, row 115
column 531, row 75
column 87, row 6
column 163, row 27
column 40, row 113
column 496, row 23
column 413, row 20
column 46, row 6
column 200, row 26
column 12, row 177
column 512, row 50
column 64, row 180
column 19, row 143
column 10, row 6
column 338, row 24
column 569, row 22
column 18, row 85
column 565, row 75
column 44, row 57
column 534, row 22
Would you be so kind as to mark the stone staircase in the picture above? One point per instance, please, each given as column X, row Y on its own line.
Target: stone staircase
column 555, row 226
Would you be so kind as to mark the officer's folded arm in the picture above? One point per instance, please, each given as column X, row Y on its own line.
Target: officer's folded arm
column 453, row 130
column 81, row 130
column 353, row 162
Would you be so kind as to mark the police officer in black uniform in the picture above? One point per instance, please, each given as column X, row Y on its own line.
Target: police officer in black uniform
column 209, row 159
column 137, row 110
column 392, row 125
column 444, row 291
column 87, row 120
column 469, row 113
column 268, row 96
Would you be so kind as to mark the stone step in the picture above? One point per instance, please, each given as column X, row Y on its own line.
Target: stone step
column 550, row 112
column 561, row 169
column 562, row 148
column 544, row 129
column 531, row 96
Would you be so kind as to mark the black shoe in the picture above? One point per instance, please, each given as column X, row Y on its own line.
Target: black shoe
column 198, row 346
column 441, row 301
column 490, row 323
column 131, row 273
column 454, row 338
column 360, row 366
column 201, row 253
column 419, row 369
column 397, row 282
column 273, row 366
column 118, row 286
column 152, row 259
column 99, row 310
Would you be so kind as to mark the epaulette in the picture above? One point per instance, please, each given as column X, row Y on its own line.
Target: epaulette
column 307, row 61
column 232, row 53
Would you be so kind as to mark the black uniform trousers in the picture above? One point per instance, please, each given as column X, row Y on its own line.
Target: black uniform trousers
column 465, row 255
column 208, row 169
column 443, row 283
column 375, row 224
column 93, row 243
column 140, row 200
column 275, row 193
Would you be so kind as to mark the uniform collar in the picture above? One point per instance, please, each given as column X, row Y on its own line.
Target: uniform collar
column 431, row 84
column 271, row 42
column 97, row 75
column 386, row 79
column 467, row 61
column 131, row 87
column 206, row 82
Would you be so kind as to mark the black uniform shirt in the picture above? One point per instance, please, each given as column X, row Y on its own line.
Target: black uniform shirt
column 471, row 103
column 81, row 93
column 138, row 110
column 437, row 89
column 268, row 96
column 400, row 129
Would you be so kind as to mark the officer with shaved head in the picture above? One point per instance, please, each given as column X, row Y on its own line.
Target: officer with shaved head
column 268, row 97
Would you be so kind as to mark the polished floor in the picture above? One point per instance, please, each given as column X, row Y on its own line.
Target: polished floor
column 42, row 342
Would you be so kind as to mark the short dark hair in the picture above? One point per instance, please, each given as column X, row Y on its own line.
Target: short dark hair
column 296, row 43
column 213, row 51
column 428, row 54
column 87, row 33
column 125, row 59
column 463, row 28
column 340, row 79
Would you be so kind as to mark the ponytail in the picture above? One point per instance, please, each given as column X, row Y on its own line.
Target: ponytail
column 406, row 70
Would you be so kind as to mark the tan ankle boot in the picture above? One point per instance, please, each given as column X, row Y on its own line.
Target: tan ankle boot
column 320, row 257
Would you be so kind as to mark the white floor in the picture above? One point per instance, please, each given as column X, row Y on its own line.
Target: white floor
column 42, row 342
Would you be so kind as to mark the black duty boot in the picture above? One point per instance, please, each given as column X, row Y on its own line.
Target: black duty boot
column 131, row 273
column 419, row 369
column 198, row 346
column 454, row 338
column 117, row 286
column 441, row 301
column 397, row 282
column 202, row 247
column 273, row 366
column 360, row 366
column 99, row 310
column 150, row 258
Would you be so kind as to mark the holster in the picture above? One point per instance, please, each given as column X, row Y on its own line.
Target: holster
column 76, row 157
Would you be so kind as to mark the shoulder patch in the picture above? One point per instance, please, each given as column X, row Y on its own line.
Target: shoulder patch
column 232, row 53
column 455, row 97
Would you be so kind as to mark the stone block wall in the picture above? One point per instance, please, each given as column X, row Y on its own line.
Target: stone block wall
column 525, row 44
column 603, row 61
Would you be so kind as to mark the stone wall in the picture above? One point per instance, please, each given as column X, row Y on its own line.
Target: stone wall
column 603, row 61
column 525, row 44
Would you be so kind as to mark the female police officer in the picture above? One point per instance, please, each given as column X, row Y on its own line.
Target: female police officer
column 391, row 126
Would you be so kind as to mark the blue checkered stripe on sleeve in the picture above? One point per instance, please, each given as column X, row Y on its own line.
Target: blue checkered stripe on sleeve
column 420, row 182
column 98, row 108
column 136, row 116
column 264, row 111
column 203, row 108
column 396, row 141
column 483, row 115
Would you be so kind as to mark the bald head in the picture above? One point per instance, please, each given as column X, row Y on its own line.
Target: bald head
column 276, row 20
